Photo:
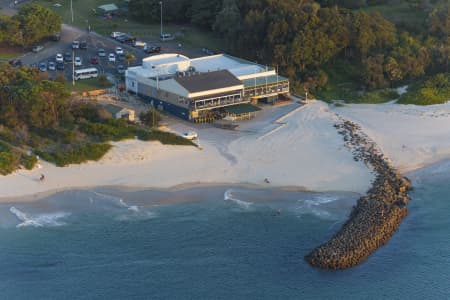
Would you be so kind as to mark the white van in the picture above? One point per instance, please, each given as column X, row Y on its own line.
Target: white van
column 140, row 44
column 166, row 37
column 115, row 34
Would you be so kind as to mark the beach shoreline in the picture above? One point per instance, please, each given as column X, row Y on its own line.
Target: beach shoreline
column 287, row 146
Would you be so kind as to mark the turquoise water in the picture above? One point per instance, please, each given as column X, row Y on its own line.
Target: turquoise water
column 214, row 243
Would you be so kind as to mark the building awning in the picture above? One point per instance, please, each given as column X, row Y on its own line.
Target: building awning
column 263, row 80
column 241, row 109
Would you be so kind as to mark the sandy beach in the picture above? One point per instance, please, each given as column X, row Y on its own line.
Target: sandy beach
column 291, row 146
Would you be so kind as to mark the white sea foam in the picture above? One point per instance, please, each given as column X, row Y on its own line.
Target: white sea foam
column 137, row 215
column 40, row 220
column 317, row 206
column 228, row 196
column 119, row 201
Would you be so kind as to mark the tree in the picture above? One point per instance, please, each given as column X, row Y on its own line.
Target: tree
column 203, row 12
column 129, row 57
column 228, row 20
column 150, row 118
column 37, row 22
column 372, row 73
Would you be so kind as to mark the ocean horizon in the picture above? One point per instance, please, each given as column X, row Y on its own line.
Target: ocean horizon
column 217, row 242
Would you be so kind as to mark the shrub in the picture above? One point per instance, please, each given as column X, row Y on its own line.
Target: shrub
column 378, row 96
column 8, row 162
column 75, row 154
column 150, row 118
column 166, row 138
column 111, row 130
column 435, row 90
column 28, row 161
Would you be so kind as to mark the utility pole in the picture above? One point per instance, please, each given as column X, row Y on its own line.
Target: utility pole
column 71, row 10
column 161, row 4
column 73, row 67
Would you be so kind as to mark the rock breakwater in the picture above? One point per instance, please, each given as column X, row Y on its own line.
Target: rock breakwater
column 376, row 215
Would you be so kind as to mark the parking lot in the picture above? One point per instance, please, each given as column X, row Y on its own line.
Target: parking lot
column 89, row 57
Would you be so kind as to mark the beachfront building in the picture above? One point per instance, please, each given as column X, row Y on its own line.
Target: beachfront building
column 206, row 88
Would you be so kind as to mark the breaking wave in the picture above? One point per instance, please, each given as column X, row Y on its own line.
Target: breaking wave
column 40, row 220
column 228, row 196
column 318, row 206
column 120, row 202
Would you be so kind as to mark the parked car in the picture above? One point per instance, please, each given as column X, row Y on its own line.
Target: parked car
column 119, row 50
column 15, row 62
column 51, row 66
column 83, row 45
column 101, row 52
column 208, row 51
column 112, row 57
column 78, row 62
column 139, row 44
column 116, row 34
column 42, row 67
column 68, row 56
column 94, row 60
column 125, row 38
column 37, row 48
column 55, row 37
column 59, row 66
column 121, row 57
column 120, row 69
column 59, row 57
column 191, row 135
column 121, row 38
column 152, row 49
column 75, row 45
column 166, row 37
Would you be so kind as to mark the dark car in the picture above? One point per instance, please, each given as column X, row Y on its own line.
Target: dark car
column 121, row 57
column 68, row 56
column 152, row 49
column 60, row 66
column 125, row 38
column 94, row 60
column 15, row 62
column 42, row 66
column 83, row 45
column 55, row 37
column 120, row 69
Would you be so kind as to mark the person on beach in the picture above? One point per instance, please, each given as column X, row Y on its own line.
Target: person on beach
column 41, row 179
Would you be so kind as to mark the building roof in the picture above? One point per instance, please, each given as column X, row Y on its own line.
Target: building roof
column 208, row 81
column 114, row 109
column 108, row 7
column 237, row 66
column 241, row 109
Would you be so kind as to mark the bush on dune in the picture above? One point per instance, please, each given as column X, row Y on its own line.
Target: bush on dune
column 75, row 154
column 435, row 90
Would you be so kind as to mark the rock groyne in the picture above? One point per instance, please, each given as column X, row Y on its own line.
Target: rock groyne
column 376, row 215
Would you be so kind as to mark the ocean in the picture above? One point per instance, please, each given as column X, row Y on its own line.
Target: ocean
column 215, row 243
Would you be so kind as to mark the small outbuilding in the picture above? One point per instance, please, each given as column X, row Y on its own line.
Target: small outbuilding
column 118, row 112
column 108, row 8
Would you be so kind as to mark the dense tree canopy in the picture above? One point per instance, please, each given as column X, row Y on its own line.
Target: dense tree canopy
column 32, row 23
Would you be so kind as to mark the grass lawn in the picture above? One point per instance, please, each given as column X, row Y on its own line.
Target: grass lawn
column 401, row 13
column 7, row 53
column 85, row 85
column 84, row 15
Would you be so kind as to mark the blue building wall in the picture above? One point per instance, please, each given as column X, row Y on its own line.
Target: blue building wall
column 180, row 112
